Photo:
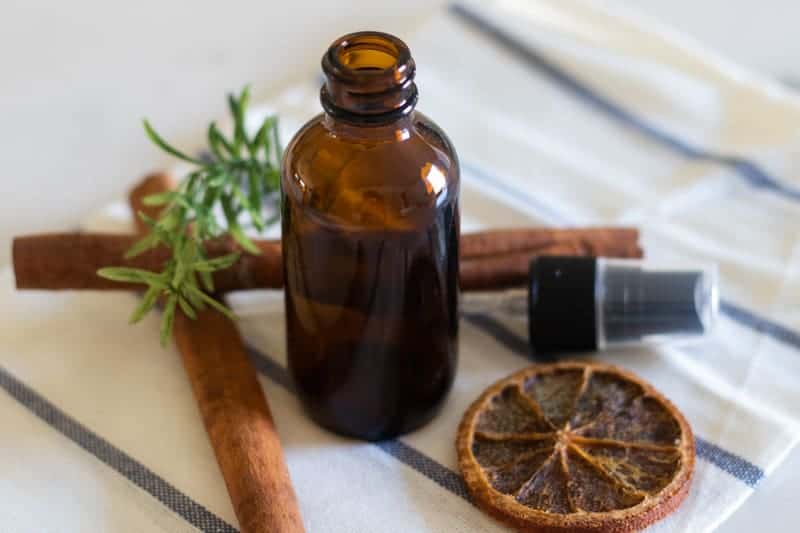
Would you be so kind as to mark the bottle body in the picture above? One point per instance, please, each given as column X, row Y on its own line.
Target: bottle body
column 370, row 222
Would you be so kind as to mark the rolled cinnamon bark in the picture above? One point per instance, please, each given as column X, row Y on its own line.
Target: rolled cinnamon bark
column 239, row 423
column 490, row 260
column 56, row 261
column 490, row 273
column 235, row 412
column 581, row 241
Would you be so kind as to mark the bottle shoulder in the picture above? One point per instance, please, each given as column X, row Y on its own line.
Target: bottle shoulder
column 418, row 139
column 434, row 135
column 402, row 171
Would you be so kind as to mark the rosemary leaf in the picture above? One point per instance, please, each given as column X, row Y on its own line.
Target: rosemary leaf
column 168, row 318
column 212, row 302
column 254, row 200
column 161, row 143
column 217, row 142
column 218, row 263
column 208, row 280
column 188, row 218
column 276, row 141
column 235, row 229
column 258, row 141
column 186, row 292
column 122, row 274
column 148, row 302
column 142, row 245
column 186, row 308
column 160, row 198
column 238, row 107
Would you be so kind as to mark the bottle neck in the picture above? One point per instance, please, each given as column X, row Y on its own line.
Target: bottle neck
column 369, row 80
column 395, row 130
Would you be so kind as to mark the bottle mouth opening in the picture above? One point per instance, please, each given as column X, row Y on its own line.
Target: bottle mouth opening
column 366, row 54
column 369, row 78
column 369, row 55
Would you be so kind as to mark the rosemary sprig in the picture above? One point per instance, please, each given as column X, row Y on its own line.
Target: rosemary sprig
column 238, row 174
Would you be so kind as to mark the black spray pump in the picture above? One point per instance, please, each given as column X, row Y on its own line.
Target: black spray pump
column 577, row 304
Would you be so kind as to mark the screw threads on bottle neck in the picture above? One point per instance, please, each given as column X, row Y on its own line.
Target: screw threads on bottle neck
column 369, row 79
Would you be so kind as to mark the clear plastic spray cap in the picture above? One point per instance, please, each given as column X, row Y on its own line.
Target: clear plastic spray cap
column 638, row 301
column 582, row 303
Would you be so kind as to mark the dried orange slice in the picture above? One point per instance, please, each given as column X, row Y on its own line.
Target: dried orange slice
column 576, row 447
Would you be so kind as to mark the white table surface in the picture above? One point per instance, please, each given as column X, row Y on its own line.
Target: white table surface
column 78, row 76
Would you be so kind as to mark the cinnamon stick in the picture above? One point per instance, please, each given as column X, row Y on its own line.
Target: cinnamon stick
column 239, row 423
column 235, row 412
column 57, row 261
column 511, row 270
column 581, row 241
column 489, row 260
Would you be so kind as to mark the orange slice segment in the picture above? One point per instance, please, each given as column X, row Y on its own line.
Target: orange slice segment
column 575, row 447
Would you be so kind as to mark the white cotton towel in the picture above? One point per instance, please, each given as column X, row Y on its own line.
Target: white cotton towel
column 563, row 112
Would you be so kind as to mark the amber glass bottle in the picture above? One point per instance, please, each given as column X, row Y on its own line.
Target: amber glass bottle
column 370, row 247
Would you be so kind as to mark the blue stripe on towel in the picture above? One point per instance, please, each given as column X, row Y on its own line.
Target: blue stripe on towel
column 747, row 170
column 501, row 334
column 124, row 464
column 542, row 210
column 428, row 467
column 731, row 463
column 763, row 325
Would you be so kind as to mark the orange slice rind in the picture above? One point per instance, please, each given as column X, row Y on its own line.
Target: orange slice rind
column 578, row 447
